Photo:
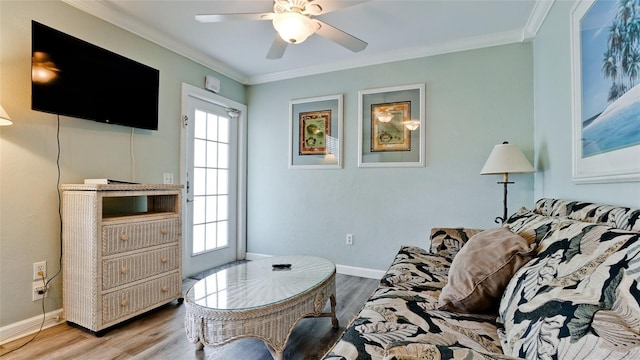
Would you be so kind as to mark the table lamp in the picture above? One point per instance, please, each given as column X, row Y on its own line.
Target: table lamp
column 506, row 159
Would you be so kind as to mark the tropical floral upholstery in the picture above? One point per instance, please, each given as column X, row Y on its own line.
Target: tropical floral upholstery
column 447, row 241
column 578, row 298
column 617, row 217
column 399, row 321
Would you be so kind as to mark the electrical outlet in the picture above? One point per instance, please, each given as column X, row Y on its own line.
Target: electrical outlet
column 349, row 239
column 167, row 178
column 39, row 270
column 39, row 290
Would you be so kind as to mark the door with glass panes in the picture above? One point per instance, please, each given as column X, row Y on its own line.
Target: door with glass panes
column 211, row 188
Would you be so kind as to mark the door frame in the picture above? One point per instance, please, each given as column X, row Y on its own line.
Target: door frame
column 188, row 90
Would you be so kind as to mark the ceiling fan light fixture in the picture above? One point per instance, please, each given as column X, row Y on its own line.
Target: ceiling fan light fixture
column 293, row 27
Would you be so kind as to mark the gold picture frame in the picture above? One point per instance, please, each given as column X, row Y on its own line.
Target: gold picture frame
column 314, row 128
column 388, row 132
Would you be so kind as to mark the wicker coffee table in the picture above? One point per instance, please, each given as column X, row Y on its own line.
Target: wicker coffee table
column 255, row 300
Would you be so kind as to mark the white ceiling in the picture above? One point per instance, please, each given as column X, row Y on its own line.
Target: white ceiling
column 394, row 29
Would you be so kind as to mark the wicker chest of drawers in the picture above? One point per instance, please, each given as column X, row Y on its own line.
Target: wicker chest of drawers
column 122, row 251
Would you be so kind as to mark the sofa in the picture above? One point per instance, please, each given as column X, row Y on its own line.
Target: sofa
column 564, row 285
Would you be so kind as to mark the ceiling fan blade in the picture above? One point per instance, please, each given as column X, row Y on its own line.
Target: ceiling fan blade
column 340, row 37
column 208, row 18
column 277, row 48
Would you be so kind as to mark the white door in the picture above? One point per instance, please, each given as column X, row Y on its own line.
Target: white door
column 213, row 186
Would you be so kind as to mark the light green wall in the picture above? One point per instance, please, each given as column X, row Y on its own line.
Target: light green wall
column 552, row 98
column 29, row 229
column 474, row 100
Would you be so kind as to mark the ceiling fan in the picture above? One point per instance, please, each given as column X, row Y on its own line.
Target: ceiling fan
column 293, row 21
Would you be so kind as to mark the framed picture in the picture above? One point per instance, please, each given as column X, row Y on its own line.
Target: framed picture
column 606, row 95
column 315, row 126
column 391, row 127
column 388, row 132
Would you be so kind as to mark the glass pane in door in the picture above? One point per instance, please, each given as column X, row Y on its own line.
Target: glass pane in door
column 210, row 182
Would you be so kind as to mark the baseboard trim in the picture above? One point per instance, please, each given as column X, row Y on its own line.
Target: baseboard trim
column 340, row 269
column 30, row 326
column 254, row 256
column 360, row 272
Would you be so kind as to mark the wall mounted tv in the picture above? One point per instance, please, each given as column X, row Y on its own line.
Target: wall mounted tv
column 74, row 78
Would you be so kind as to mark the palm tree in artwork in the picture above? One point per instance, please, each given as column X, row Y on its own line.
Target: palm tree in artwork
column 621, row 60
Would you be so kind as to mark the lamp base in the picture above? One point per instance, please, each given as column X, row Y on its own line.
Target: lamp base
column 501, row 220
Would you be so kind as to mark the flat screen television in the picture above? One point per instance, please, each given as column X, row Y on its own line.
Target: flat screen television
column 72, row 77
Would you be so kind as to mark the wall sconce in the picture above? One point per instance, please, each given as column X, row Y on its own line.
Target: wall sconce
column 4, row 117
column 504, row 159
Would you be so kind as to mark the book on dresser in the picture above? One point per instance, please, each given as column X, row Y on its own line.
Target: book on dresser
column 122, row 251
column 107, row 181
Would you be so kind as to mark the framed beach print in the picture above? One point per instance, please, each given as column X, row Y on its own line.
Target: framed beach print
column 391, row 127
column 315, row 133
column 606, row 92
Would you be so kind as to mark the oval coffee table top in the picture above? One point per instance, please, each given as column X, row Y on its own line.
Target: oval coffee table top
column 255, row 283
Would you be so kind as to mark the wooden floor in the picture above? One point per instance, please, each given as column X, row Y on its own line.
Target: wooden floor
column 160, row 335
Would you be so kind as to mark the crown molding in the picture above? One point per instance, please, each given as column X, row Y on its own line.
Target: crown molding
column 106, row 13
column 470, row 43
column 539, row 13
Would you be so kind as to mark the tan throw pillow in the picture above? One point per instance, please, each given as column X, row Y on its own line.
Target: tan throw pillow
column 482, row 269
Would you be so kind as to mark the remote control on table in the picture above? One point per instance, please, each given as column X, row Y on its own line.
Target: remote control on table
column 281, row 266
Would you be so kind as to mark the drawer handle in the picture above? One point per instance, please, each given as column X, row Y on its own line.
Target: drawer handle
column 124, row 270
column 164, row 289
column 124, row 302
column 164, row 260
column 164, row 231
column 124, row 237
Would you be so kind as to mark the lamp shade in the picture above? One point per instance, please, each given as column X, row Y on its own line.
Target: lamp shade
column 506, row 158
column 293, row 27
column 4, row 117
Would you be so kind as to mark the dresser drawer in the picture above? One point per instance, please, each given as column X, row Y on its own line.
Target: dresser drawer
column 128, row 268
column 119, row 238
column 135, row 299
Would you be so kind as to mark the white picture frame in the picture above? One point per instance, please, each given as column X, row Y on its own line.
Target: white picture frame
column 315, row 132
column 598, row 155
column 390, row 143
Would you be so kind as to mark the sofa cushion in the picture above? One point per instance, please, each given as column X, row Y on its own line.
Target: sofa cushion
column 578, row 298
column 614, row 216
column 402, row 311
column 415, row 273
column 482, row 269
column 387, row 323
column 527, row 223
column 448, row 241
column 420, row 351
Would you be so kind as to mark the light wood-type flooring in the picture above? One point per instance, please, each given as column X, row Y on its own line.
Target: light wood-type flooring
column 160, row 335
